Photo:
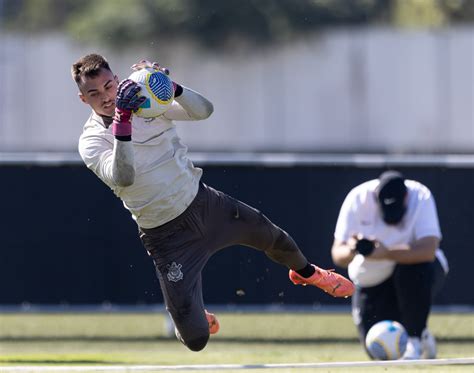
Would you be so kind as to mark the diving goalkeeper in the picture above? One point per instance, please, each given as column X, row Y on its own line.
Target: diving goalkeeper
column 182, row 221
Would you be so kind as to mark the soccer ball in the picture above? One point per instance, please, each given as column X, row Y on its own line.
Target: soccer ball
column 157, row 87
column 386, row 340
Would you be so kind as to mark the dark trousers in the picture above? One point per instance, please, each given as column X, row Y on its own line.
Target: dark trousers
column 181, row 248
column 404, row 297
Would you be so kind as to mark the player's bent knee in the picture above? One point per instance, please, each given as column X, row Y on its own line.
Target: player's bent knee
column 197, row 344
column 283, row 247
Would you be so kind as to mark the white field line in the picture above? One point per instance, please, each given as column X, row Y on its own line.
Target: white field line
column 219, row 367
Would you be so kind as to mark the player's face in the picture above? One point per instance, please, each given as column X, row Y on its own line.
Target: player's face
column 99, row 92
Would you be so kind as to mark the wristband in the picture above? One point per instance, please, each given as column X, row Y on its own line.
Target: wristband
column 121, row 125
column 178, row 89
column 124, row 138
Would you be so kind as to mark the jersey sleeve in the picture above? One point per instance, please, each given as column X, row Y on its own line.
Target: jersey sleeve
column 177, row 112
column 346, row 221
column 427, row 223
column 97, row 154
column 190, row 105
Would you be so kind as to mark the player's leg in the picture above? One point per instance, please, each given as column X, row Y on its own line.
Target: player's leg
column 179, row 254
column 186, row 307
column 233, row 222
column 250, row 227
column 413, row 285
column 413, row 288
column 373, row 304
column 440, row 271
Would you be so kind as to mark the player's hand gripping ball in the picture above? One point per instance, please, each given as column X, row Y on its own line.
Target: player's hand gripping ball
column 127, row 98
column 158, row 90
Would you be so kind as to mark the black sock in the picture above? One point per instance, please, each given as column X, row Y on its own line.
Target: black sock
column 307, row 271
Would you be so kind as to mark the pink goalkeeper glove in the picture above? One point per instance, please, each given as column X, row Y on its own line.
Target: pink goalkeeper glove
column 126, row 102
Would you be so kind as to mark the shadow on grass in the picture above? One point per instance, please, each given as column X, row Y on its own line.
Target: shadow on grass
column 151, row 339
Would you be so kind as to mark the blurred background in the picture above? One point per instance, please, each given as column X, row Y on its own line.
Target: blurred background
column 311, row 98
column 390, row 76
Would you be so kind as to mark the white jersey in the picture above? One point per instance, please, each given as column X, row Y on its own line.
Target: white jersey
column 166, row 181
column 360, row 215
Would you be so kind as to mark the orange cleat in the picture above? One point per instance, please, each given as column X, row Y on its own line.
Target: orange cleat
column 327, row 280
column 213, row 322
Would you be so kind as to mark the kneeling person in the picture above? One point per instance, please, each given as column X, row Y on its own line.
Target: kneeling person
column 388, row 236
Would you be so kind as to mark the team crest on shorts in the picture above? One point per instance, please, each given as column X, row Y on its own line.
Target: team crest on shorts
column 174, row 272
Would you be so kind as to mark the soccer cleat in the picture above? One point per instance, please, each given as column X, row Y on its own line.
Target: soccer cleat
column 213, row 322
column 413, row 350
column 327, row 280
column 428, row 345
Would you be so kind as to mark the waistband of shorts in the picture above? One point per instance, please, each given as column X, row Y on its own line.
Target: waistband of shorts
column 199, row 197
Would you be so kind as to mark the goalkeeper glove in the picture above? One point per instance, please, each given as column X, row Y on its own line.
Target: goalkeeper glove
column 126, row 102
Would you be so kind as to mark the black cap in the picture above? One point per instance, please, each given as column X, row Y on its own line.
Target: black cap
column 391, row 193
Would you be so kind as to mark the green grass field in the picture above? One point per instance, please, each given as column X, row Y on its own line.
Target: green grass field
column 59, row 339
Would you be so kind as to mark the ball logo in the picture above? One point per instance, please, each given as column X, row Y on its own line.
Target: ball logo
column 160, row 87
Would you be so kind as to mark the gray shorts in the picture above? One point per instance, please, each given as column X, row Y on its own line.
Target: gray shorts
column 181, row 248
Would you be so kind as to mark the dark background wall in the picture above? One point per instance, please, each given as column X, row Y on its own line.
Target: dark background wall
column 66, row 239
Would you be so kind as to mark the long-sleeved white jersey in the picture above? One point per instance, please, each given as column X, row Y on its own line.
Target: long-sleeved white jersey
column 165, row 181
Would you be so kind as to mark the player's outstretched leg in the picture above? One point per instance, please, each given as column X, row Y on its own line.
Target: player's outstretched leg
column 327, row 280
column 233, row 222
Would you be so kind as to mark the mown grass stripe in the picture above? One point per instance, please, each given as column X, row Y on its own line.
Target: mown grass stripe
column 220, row 367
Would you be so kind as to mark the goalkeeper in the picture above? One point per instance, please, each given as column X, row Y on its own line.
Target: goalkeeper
column 182, row 222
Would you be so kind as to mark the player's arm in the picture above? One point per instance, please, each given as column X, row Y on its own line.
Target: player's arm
column 122, row 167
column 343, row 252
column 122, row 164
column 112, row 162
column 187, row 104
column 343, row 247
column 115, row 166
column 420, row 251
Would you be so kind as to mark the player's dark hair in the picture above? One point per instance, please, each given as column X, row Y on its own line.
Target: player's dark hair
column 88, row 66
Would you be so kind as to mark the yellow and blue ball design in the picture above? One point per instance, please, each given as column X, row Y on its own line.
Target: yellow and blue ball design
column 157, row 87
column 386, row 340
